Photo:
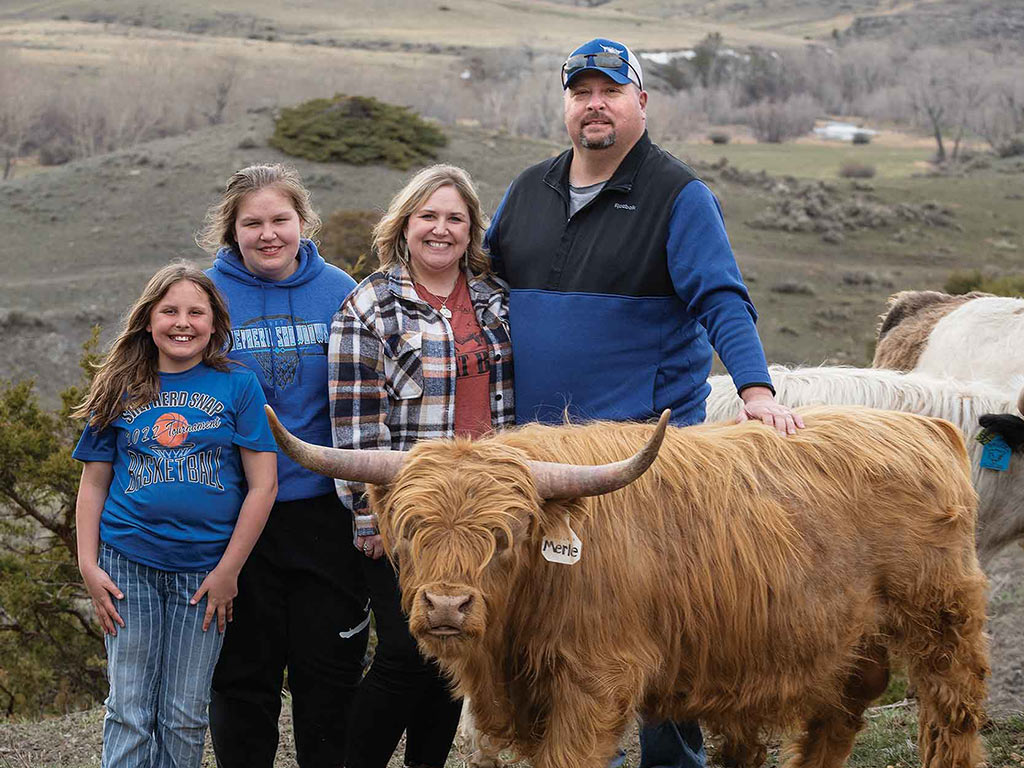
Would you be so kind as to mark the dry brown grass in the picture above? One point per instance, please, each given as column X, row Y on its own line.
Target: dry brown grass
column 543, row 25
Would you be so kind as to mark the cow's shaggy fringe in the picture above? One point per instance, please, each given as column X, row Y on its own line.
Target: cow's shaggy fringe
column 747, row 580
column 1000, row 520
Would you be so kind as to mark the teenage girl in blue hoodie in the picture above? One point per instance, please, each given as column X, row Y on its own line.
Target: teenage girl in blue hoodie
column 301, row 604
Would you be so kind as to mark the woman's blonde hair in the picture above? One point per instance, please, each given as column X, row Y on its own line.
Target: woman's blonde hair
column 219, row 227
column 129, row 377
column 389, row 233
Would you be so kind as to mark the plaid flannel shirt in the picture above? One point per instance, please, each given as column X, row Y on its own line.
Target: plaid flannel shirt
column 391, row 367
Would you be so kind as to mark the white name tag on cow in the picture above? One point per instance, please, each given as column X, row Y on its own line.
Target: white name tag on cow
column 564, row 551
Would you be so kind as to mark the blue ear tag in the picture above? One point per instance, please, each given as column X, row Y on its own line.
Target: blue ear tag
column 996, row 454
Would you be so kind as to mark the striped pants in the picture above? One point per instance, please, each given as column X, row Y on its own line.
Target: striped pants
column 159, row 666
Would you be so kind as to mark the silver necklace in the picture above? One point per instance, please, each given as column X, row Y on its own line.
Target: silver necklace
column 445, row 312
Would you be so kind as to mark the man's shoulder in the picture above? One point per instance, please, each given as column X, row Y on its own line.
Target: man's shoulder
column 537, row 171
column 663, row 162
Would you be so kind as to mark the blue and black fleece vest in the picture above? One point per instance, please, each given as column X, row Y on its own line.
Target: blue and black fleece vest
column 615, row 310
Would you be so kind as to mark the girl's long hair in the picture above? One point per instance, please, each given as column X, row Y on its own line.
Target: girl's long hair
column 128, row 377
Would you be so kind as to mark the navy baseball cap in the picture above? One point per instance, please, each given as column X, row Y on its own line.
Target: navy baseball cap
column 605, row 56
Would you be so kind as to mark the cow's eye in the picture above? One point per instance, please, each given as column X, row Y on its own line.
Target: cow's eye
column 501, row 542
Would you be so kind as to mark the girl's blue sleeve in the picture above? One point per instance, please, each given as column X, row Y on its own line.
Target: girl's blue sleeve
column 96, row 445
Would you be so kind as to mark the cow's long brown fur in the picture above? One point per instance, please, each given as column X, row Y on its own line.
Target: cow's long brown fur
column 747, row 580
column 908, row 320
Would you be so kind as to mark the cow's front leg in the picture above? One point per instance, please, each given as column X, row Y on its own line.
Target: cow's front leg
column 482, row 751
column 584, row 725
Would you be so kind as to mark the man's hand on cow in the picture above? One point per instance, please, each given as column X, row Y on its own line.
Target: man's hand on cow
column 371, row 546
column 759, row 403
column 101, row 587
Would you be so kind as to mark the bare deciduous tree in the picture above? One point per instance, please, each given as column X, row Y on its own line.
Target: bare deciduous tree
column 222, row 76
column 1001, row 120
column 946, row 88
column 19, row 109
column 777, row 121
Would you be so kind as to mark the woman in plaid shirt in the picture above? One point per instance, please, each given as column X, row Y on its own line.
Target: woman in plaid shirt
column 420, row 349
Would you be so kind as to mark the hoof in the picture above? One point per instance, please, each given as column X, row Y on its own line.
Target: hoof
column 481, row 759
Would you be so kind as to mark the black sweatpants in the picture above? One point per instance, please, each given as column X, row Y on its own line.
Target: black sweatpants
column 402, row 691
column 300, row 588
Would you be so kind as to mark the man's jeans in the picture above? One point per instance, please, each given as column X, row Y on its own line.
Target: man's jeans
column 671, row 745
column 159, row 666
column 668, row 745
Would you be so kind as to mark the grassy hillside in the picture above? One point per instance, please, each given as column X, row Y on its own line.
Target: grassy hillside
column 81, row 239
column 437, row 25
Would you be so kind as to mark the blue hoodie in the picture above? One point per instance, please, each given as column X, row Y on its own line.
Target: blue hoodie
column 280, row 330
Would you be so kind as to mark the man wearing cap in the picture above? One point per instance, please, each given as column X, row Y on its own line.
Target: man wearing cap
column 622, row 281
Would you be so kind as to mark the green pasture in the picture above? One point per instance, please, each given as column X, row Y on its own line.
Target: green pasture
column 819, row 301
column 811, row 159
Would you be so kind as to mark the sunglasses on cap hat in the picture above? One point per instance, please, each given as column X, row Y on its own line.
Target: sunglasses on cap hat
column 599, row 61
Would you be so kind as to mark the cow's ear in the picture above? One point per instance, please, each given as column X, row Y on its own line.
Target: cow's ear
column 1008, row 427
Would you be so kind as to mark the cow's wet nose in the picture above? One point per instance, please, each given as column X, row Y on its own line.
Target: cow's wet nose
column 447, row 610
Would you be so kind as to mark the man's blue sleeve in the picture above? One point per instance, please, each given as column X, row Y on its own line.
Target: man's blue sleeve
column 491, row 237
column 707, row 279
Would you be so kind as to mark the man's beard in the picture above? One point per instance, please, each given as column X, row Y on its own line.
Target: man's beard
column 602, row 143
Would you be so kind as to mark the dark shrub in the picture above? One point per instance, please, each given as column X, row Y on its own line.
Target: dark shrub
column 719, row 137
column 861, row 138
column 358, row 130
column 794, row 287
column 56, row 153
column 973, row 280
column 854, row 170
column 1011, row 147
column 963, row 281
column 345, row 241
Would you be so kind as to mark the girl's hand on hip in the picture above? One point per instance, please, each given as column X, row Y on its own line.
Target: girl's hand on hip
column 220, row 587
column 101, row 587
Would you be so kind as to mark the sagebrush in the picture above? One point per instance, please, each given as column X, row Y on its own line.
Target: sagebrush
column 359, row 130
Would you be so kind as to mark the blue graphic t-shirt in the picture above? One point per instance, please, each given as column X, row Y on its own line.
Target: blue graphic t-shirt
column 178, row 481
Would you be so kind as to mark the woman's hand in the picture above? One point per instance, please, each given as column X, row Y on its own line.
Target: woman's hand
column 759, row 403
column 220, row 587
column 371, row 546
column 101, row 587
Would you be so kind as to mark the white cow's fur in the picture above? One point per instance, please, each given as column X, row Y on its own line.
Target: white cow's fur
column 1001, row 494
column 982, row 340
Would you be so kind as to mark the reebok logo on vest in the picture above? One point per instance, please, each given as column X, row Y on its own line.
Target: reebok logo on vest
column 625, row 207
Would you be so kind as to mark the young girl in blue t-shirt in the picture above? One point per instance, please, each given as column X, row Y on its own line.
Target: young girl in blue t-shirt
column 180, row 474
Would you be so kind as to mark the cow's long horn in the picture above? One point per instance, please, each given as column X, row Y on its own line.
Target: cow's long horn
column 570, row 481
column 376, row 467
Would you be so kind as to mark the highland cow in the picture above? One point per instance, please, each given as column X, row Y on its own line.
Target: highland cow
column 908, row 320
column 974, row 336
column 746, row 579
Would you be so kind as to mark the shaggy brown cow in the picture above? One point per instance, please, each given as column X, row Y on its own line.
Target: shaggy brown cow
column 747, row 580
column 908, row 320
